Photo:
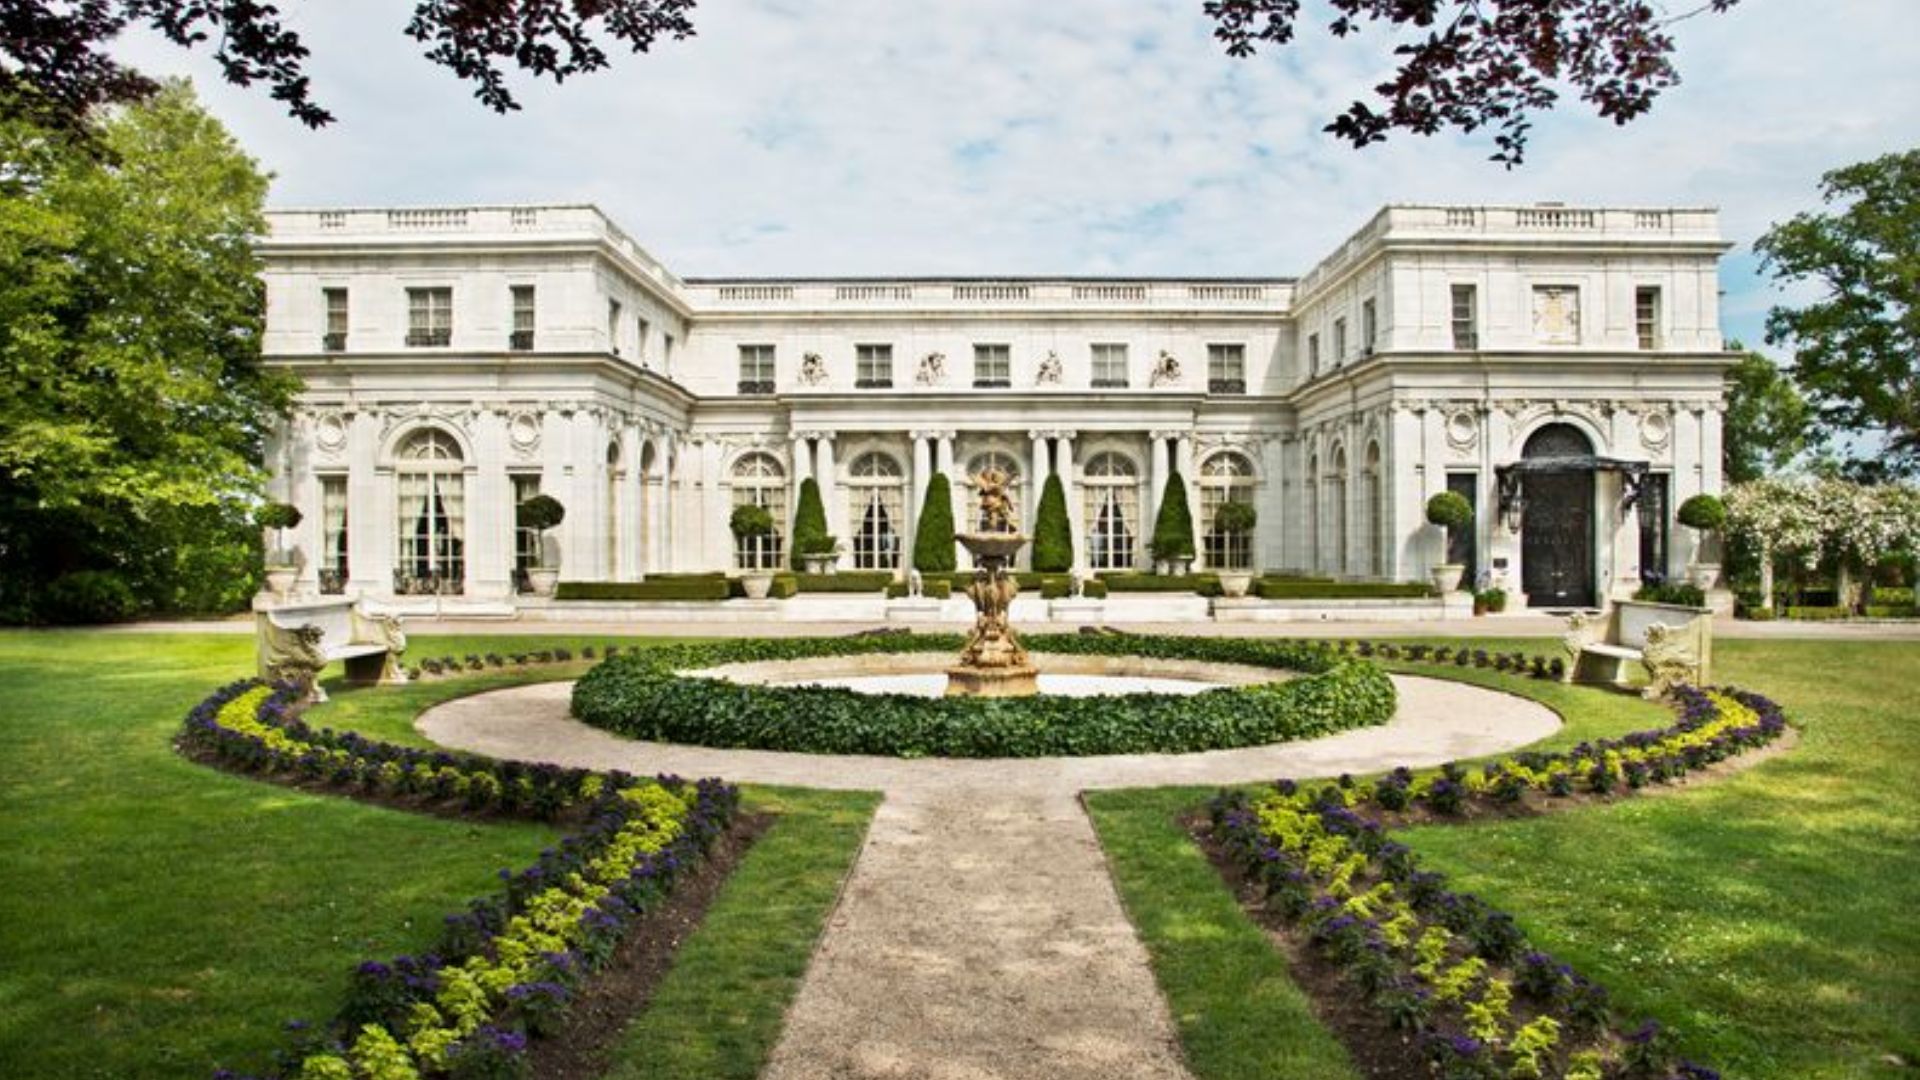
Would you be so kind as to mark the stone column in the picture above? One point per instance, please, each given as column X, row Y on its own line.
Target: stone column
column 490, row 512
column 922, row 474
column 1069, row 470
column 1039, row 468
column 672, row 481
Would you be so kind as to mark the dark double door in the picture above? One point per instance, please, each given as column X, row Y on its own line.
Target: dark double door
column 1556, row 539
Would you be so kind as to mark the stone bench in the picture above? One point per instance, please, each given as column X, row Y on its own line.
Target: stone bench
column 297, row 640
column 1673, row 643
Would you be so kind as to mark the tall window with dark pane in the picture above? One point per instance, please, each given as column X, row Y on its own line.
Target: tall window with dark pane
column 1655, row 493
column 1463, row 545
column 526, row 542
column 334, row 568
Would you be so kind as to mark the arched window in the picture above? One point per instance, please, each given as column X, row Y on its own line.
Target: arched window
column 1111, row 488
column 1337, row 509
column 610, row 513
column 759, row 480
column 1225, row 477
column 991, row 459
column 1376, row 515
column 876, row 504
column 430, row 520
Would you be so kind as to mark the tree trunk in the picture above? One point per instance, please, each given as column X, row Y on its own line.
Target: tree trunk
column 1766, row 576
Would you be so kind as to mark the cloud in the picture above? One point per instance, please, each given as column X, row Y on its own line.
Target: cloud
column 1079, row 136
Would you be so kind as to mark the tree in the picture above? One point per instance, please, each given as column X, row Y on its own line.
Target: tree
column 1857, row 348
column 133, row 410
column 1052, row 529
column 1767, row 423
column 809, row 526
column 1475, row 63
column 933, row 540
column 1485, row 63
column 1173, row 529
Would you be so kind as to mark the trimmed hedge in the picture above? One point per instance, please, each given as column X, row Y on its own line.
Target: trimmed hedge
column 1052, row 531
column 846, row 581
column 1311, row 589
column 1204, row 584
column 660, row 587
column 784, row 586
column 642, row 695
column 1672, row 593
column 809, row 526
column 936, row 589
column 933, row 550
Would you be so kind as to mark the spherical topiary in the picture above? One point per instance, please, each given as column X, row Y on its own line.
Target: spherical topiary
column 1450, row 510
column 278, row 516
column 933, row 540
column 1704, row 512
column 540, row 513
column 1236, row 518
column 749, row 520
column 1052, row 531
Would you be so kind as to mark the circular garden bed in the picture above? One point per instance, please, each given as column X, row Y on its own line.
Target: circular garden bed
column 660, row 695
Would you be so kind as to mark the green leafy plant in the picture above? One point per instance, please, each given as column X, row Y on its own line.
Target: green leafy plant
column 1173, row 528
column 1672, row 593
column 1052, row 530
column 810, row 525
column 1236, row 521
column 540, row 513
column 749, row 521
column 1450, row 510
column 278, row 515
column 1494, row 600
column 933, row 551
column 1703, row 512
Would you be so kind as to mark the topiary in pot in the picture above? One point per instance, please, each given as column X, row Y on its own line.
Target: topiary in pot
column 1052, row 530
column 933, row 551
column 754, row 523
column 282, row 565
column 810, row 537
column 1449, row 510
column 1704, row 514
column 541, row 513
column 1173, row 528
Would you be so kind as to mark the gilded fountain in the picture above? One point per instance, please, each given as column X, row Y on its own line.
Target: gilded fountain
column 993, row 663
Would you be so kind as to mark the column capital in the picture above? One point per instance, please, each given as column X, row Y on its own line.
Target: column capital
column 1171, row 433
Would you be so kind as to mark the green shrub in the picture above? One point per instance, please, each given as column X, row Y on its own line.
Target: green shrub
column 1052, row 530
column 784, row 586
column 1173, row 529
column 658, row 587
column 641, row 695
column 1450, row 510
column 540, row 513
column 1704, row 512
column 936, row 589
column 1094, row 590
column 933, row 541
column 748, row 520
column 1494, row 600
column 89, row 596
column 1128, row 581
column 1673, row 592
column 846, row 581
column 1281, row 588
column 809, row 526
column 278, row 515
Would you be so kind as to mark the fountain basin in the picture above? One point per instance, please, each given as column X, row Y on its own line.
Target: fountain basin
column 928, row 674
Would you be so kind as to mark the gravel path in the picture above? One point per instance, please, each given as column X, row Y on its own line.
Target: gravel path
column 979, row 935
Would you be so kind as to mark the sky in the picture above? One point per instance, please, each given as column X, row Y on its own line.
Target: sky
column 1110, row 137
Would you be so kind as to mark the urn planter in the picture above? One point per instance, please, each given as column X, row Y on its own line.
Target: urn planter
column 1236, row 583
column 757, row 584
column 543, row 579
column 1446, row 577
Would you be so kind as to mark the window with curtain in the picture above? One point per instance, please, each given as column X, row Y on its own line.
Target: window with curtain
column 760, row 480
column 1225, row 477
column 431, row 518
column 1110, row 490
column 876, row 504
column 334, row 568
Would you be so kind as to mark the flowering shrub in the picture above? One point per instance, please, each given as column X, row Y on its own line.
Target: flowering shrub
column 1448, row 966
column 510, row 963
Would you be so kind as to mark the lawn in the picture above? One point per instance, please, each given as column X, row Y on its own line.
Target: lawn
column 1766, row 916
column 162, row 918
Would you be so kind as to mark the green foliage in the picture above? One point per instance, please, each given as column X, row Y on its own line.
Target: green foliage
column 1854, row 347
column 1494, row 600
column 1704, row 512
column 642, row 695
column 844, row 581
column 656, row 587
column 1672, row 593
column 749, row 520
column 1450, row 510
column 1173, row 529
column 1280, row 588
column 1206, row 584
column 541, row 512
column 936, row 589
column 133, row 409
column 1767, row 423
column 89, row 596
column 1236, row 518
column 933, row 551
column 809, row 525
column 1052, row 529
column 278, row 515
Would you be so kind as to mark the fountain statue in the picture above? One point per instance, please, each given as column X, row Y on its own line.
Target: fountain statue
column 993, row 663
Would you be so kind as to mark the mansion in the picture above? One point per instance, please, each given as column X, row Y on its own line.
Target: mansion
column 1562, row 368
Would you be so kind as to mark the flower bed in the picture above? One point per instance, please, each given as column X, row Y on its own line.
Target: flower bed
column 1446, row 970
column 506, row 967
column 643, row 695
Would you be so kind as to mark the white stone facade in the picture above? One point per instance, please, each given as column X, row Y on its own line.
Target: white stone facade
column 456, row 360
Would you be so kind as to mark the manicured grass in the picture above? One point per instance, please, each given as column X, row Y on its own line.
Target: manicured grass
column 720, row 1010
column 159, row 917
column 1769, row 916
column 1238, row 1014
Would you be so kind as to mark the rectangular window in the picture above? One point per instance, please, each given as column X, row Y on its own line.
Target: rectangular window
column 522, row 336
column 641, row 328
column 873, row 366
column 1463, row 545
column 336, row 333
column 1466, row 317
column 992, row 366
column 756, row 369
column 613, row 327
column 1556, row 314
column 1652, row 507
column 1226, row 369
column 1313, row 354
column 334, row 569
column 1339, row 342
column 1646, row 316
column 1369, row 328
column 430, row 316
column 666, row 354
column 526, row 542
column 1109, row 366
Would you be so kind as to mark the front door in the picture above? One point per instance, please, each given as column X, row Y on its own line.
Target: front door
column 1556, row 539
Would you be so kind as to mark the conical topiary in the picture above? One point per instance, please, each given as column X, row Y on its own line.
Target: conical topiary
column 1052, row 531
column 1173, row 529
column 933, row 540
column 809, row 525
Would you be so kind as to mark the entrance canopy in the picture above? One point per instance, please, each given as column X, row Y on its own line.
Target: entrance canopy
column 1632, row 473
